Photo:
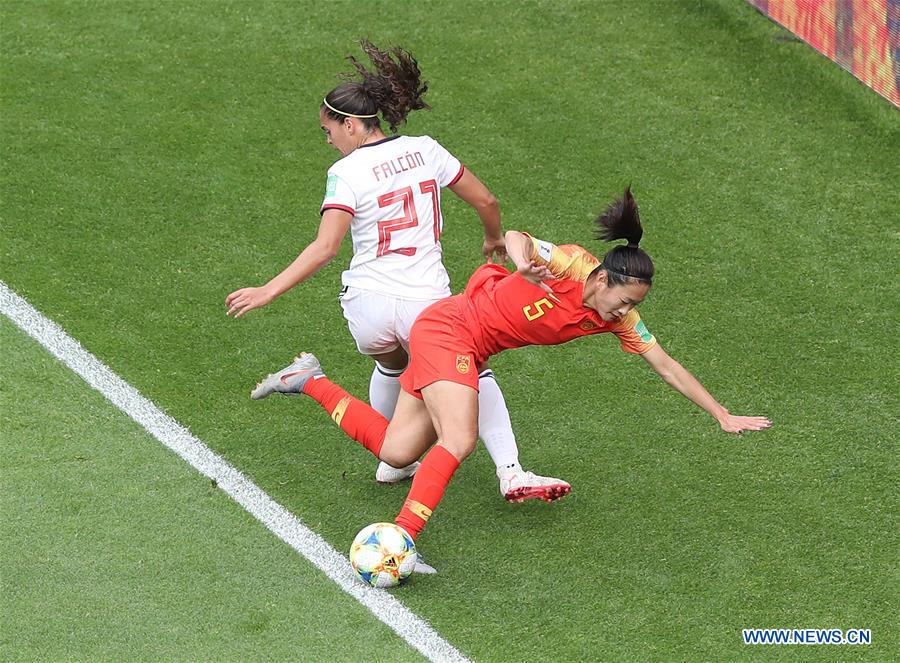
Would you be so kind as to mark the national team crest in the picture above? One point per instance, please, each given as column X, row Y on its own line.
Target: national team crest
column 587, row 325
column 463, row 363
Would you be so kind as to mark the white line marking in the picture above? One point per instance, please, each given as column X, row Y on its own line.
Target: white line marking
column 176, row 437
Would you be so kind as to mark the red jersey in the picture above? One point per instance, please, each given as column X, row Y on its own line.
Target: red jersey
column 500, row 310
column 504, row 311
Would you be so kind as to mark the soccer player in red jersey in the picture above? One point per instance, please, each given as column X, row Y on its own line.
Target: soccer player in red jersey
column 387, row 192
column 556, row 294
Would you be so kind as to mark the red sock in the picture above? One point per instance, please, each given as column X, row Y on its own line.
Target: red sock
column 358, row 420
column 427, row 489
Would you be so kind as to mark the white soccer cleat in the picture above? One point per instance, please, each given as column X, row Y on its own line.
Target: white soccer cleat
column 390, row 474
column 289, row 380
column 522, row 486
column 422, row 567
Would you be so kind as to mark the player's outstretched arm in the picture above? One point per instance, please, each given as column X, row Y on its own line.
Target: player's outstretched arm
column 476, row 194
column 332, row 230
column 681, row 379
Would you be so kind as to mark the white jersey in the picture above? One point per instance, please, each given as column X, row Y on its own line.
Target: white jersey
column 393, row 190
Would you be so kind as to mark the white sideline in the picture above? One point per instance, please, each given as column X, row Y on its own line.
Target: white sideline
column 176, row 437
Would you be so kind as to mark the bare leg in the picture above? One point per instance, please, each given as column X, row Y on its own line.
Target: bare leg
column 410, row 432
column 454, row 413
column 384, row 393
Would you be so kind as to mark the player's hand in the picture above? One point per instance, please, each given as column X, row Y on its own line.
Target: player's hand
column 536, row 274
column 246, row 299
column 494, row 250
column 733, row 424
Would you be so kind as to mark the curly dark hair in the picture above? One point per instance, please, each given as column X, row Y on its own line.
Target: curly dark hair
column 393, row 89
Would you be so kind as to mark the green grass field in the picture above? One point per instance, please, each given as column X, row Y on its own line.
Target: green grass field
column 114, row 549
column 157, row 156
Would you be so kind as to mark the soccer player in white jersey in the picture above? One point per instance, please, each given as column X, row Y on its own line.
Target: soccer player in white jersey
column 387, row 192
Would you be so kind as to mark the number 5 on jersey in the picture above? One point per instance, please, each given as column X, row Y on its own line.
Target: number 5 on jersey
column 410, row 218
column 538, row 309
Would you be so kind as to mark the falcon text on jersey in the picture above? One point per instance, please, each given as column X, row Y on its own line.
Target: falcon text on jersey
column 398, row 165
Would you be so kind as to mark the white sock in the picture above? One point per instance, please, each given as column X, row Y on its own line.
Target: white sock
column 384, row 389
column 494, row 426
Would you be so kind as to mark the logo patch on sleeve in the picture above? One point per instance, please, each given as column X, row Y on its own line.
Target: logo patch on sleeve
column 643, row 332
column 331, row 186
column 545, row 250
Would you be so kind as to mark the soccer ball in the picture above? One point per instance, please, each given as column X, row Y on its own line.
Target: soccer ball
column 383, row 555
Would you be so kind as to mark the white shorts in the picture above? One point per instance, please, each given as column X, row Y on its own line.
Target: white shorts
column 379, row 323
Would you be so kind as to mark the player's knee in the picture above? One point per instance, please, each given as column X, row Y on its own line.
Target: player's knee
column 398, row 459
column 398, row 455
column 460, row 445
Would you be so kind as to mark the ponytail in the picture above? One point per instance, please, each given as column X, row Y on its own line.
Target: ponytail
column 621, row 220
column 394, row 89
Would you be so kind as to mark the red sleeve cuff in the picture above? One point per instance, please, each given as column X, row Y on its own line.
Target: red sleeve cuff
column 462, row 169
column 343, row 208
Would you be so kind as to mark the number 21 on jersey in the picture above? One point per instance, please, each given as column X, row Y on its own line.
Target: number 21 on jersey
column 410, row 218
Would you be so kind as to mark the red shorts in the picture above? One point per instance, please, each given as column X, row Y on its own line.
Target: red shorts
column 440, row 348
